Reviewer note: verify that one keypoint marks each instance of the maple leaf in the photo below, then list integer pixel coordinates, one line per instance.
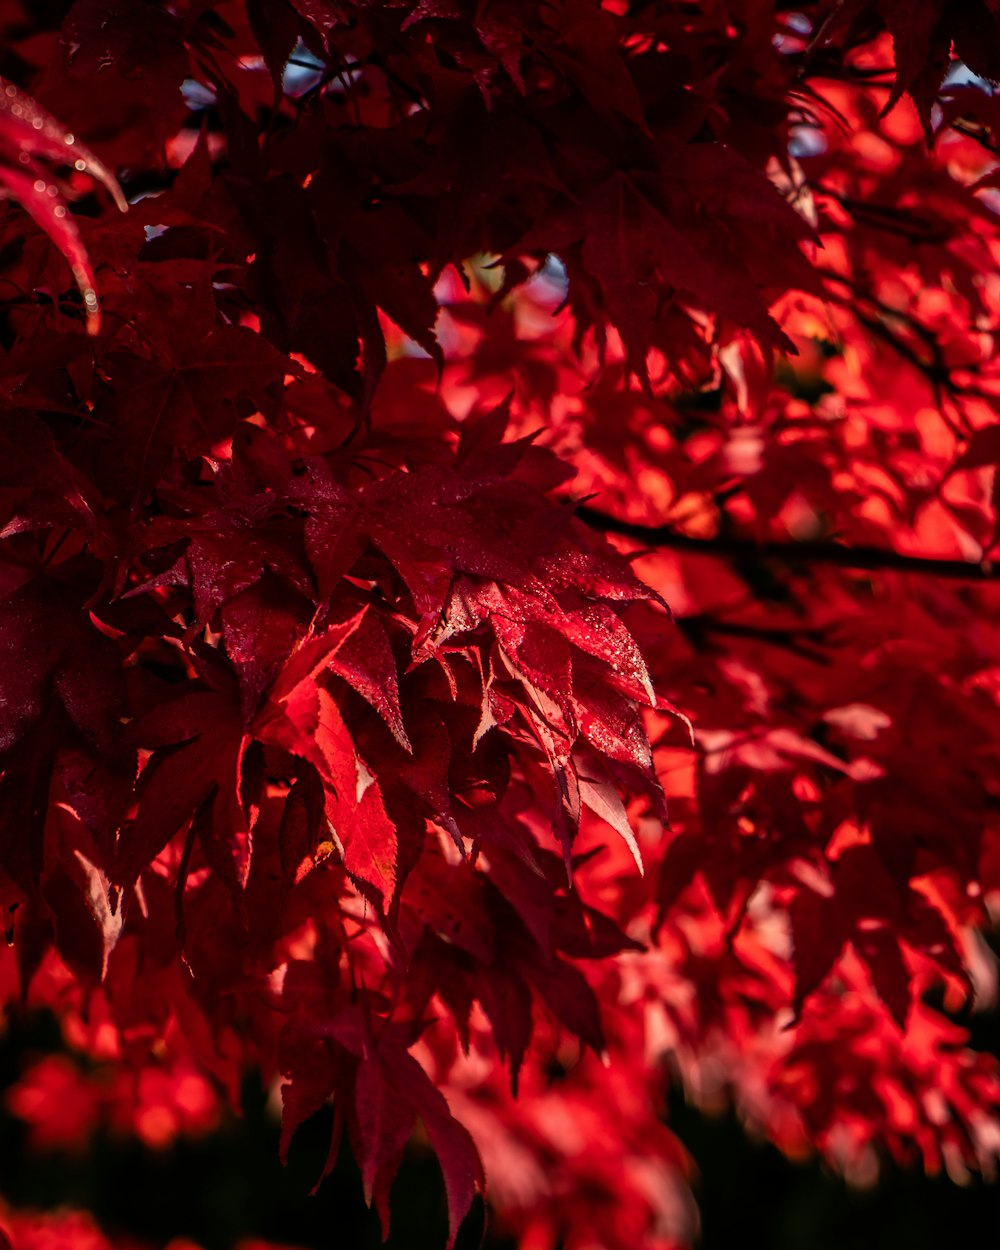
(31, 141)
(191, 388)
(138, 40)
(923, 36)
(865, 908)
(388, 1082)
(199, 743)
(677, 236)
(517, 951)
(44, 626)
(87, 924)
(304, 720)
(390, 1090)
(335, 737)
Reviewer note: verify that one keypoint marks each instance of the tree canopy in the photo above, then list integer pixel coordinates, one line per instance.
(499, 605)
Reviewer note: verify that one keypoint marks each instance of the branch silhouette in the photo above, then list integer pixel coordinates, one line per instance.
(865, 558)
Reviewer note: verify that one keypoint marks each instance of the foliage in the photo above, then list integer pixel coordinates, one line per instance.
(346, 732)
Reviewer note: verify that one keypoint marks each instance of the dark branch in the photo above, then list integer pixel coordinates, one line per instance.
(809, 551)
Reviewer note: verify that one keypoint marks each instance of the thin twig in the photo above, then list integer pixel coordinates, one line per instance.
(864, 558)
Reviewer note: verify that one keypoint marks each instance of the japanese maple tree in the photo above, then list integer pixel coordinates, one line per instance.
(499, 610)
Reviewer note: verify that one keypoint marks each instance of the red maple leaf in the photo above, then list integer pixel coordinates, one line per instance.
(32, 144)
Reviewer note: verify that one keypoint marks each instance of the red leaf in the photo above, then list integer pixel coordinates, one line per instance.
(302, 717)
(456, 1152)
(198, 742)
(29, 137)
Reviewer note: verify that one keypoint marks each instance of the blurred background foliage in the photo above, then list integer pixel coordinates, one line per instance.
(228, 1185)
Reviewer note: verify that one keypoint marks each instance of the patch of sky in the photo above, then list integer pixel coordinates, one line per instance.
(303, 72)
(555, 278)
(961, 76)
(798, 27)
(196, 95)
(806, 141)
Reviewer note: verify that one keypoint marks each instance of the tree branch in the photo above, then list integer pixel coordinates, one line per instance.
(812, 551)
